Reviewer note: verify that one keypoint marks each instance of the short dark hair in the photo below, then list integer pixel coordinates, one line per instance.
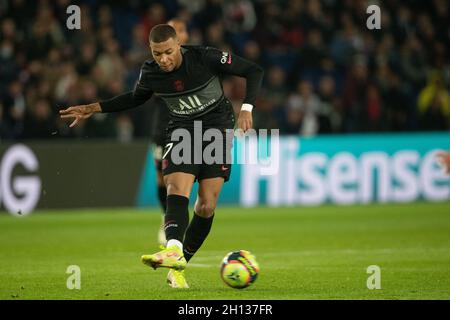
(161, 33)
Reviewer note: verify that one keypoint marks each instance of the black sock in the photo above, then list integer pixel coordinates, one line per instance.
(196, 233)
(177, 217)
(162, 196)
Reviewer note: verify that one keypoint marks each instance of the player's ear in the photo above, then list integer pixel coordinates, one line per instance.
(177, 40)
(151, 52)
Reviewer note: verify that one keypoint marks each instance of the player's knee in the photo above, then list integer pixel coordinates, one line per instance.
(205, 210)
(173, 188)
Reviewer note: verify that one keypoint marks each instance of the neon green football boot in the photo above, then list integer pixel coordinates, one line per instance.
(171, 257)
(176, 279)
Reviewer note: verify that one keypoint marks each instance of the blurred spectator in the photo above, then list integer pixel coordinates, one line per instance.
(330, 114)
(373, 108)
(313, 51)
(124, 128)
(8, 67)
(396, 102)
(239, 16)
(355, 97)
(4, 129)
(304, 105)
(252, 52)
(39, 123)
(193, 6)
(65, 84)
(88, 56)
(215, 35)
(156, 14)
(239, 20)
(267, 116)
(110, 63)
(277, 90)
(211, 11)
(434, 104)
(14, 106)
(139, 50)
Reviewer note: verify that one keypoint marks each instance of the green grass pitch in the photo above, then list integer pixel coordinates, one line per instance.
(304, 253)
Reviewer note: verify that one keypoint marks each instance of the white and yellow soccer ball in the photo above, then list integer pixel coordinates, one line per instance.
(239, 269)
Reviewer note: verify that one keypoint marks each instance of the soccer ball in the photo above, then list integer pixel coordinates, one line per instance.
(239, 269)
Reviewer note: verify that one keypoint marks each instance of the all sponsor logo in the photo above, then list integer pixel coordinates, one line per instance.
(190, 102)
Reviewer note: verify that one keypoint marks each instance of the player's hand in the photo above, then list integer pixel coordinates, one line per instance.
(444, 160)
(245, 120)
(80, 112)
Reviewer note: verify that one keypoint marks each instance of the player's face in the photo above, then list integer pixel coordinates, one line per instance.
(167, 54)
(181, 30)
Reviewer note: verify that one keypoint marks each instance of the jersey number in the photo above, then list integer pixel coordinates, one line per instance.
(169, 147)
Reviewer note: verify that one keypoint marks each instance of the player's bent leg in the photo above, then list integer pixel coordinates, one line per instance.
(179, 187)
(202, 220)
(179, 183)
(208, 194)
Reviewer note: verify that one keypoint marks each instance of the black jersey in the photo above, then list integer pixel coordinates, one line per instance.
(195, 88)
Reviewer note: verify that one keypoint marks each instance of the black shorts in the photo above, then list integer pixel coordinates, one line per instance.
(203, 159)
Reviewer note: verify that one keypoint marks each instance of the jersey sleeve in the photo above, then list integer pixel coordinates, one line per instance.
(142, 91)
(132, 99)
(224, 62)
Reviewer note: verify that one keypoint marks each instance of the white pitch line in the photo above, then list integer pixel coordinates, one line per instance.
(217, 258)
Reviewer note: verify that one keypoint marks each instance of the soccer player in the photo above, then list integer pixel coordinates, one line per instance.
(160, 122)
(188, 79)
(444, 159)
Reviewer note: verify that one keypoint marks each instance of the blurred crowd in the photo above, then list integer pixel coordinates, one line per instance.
(325, 71)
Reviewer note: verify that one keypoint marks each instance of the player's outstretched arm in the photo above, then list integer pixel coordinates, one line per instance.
(128, 100)
(80, 112)
(444, 159)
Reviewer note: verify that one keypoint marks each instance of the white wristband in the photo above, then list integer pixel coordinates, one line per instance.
(247, 107)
